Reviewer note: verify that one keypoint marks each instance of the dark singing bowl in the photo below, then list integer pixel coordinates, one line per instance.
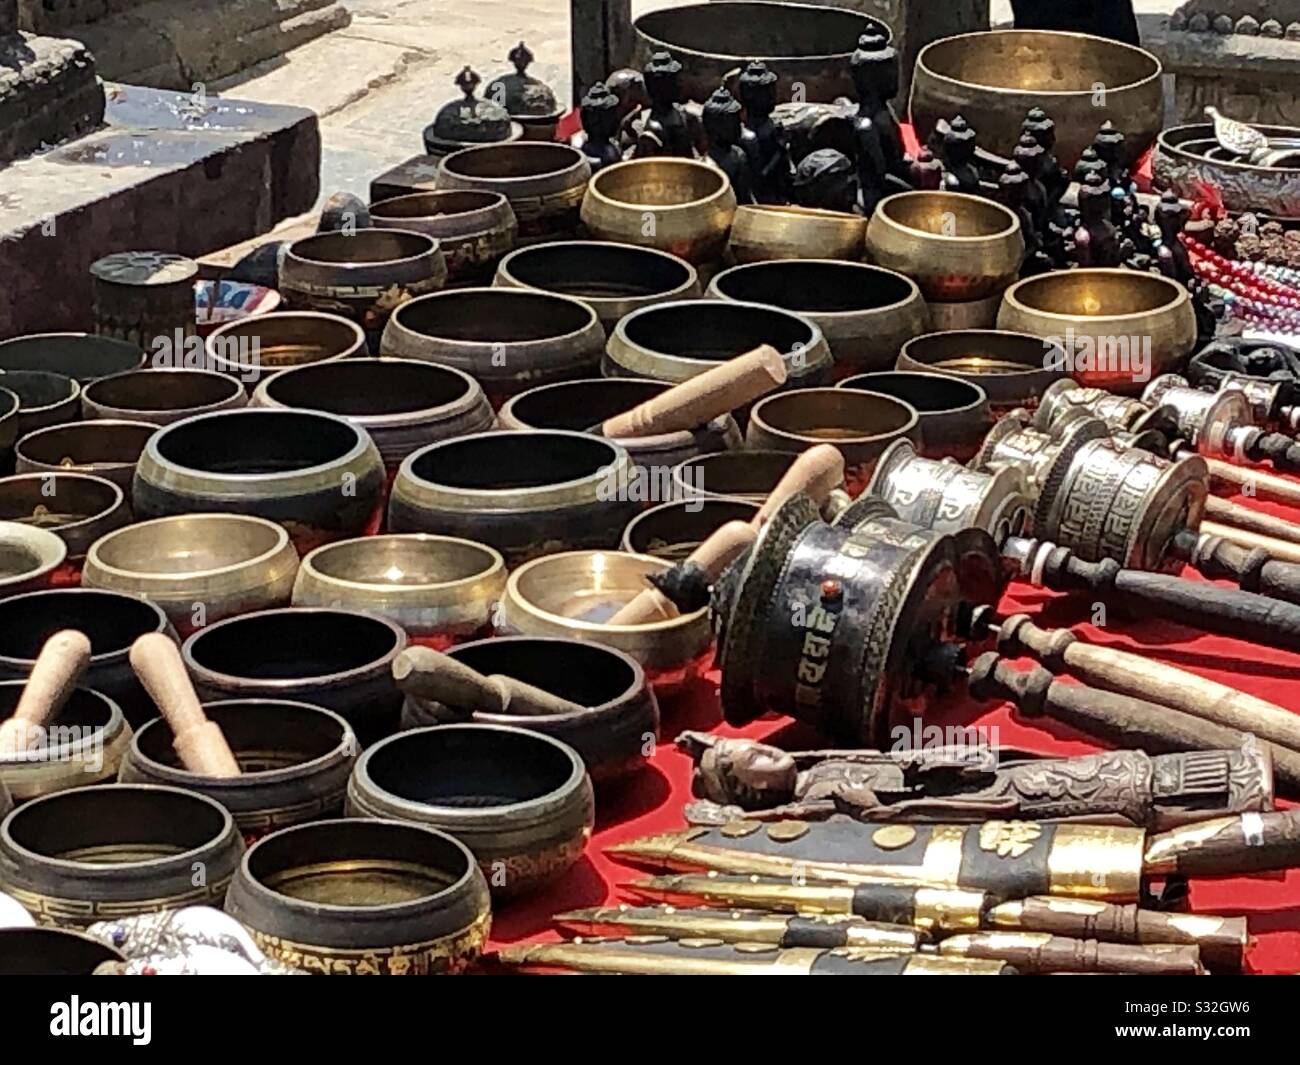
(521, 801)
(337, 659)
(51, 952)
(81, 356)
(543, 182)
(402, 403)
(805, 45)
(526, 493)
(612, 734)
(866, 313)
(111, 621)
(83, 744)
(612, 279)
(77, 507)
(579, 405)
(1013, 369)
(474, 229)
(9, 405)
(250, 348)
(994, 78)
(28, 557)
(296, 760)
(361, 897)
(92, 854)
(318, 475)
(161, 397)
(860, 424)
(106, 448)
(673, 530)
(44, 399)
(749, 475)
(955, 414)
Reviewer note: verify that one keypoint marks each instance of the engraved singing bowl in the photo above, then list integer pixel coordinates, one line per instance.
(750, 475)
(673, 530)
(90, 854)
(271, 342)
(403, 404)
(77, 507)
(474, 229)
(1186, 161)
(199, 568)
(1119, 328)
(440, 589)
(526, 493)
(619, 716)
(81, 356)
(108, 448)
(295, 761)
(1013, 369)
(688, 204)
(578, 405)
(612, 279)
(44, 399)
(956, 247)
(995, 77)
(28, 557)
(508, 340)
(861, 425)
(82, 744)
(761, 232)
(161, 397)
(52, 952)
(807, 46)
(363, 897)
(574, 593)
(866, 313)
(954, 414)
(316, 474)
(543, 182)
(521, 801)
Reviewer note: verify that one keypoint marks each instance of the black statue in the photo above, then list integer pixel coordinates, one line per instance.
(958, 155)
(665, 130)
(826, 179)
(878, 144)
(761, 137)
(1015, 189)
(1096, 240)
(722, 126)
(600, 120)
(1109, 145)
(1056, 181)
(629, 86)
(1090, 163)
(926, 172)
(1171, 257)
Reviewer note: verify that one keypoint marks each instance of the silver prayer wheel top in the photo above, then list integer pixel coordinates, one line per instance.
(1265, 398)
(1212, 421)
(1118, 412)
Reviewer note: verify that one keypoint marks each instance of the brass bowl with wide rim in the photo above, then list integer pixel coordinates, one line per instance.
(28, 557)
(749, 474)
(543, 182)
(44, 399)
(84, 743)
(199, 568)
(108, 448)
(994, 77)
(77, 507)
(1014, 369)
(955, 414)
(473, 228)
(440, 589)
(956, 247)
(161, 397)
(761, 232)
(690, 203)
(267, 343)
(1119, 328)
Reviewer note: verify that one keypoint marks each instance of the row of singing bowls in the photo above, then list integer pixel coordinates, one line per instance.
(317, 474)
(674, 529)
(866, 313)
(1119, 328)
(807, 46)
(439, 589)
(82, 356)
(526, 493)
(761, 232)
(612, 279)
(543, 182)
(506, 339)
(77, 507)
(679, 206)
(403, 404)
(1185, 160)
(956, 247)
(108, 448)
(251, 348)
(1013, 369)
(954, 414)
(85, 743)
(474, 229)
(161, 396)
(580, 405)
(994, 78)
(44, 399)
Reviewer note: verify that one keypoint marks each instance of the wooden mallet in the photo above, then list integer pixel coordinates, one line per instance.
(54, 675)
(815, 473)
(428, 674)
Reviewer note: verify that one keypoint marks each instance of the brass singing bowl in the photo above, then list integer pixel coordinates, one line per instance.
(77, 507)
(574, 593)
(673, 530)
(1119, 328)
(750, 475)
(994, 78)
(1013, 369)
(44, 399)
(52, 952)
(266, 343)
(1184, 163)
(28, 556)
(81, 356)
(160, 397)
(474, 229)
(954, 246)
(761, 232)
(955, 414)
(108, 448)
(689, 204)
(866, 313)
(438, 587)
(199, 568)
(83, 743)
(543, 182)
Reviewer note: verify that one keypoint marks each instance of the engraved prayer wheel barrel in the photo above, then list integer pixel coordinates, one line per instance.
(106, 448)
(83, 744)
(543, 182)
(76, 507)
(295, 760)
(524, 493)
(307, 895)
(673, 530)
(403, 404)
(253, 347)
(90, 854)
(44, 399)
(51, 952)
(578, 405)
(750, 475)
(520, 801)
(29, 558)
(111, 620)
(1013, 369)
(954, 414)
(620, 716)
(316, 474)
(143, 297)
(473, 228)
(161, 397)
(81, 356)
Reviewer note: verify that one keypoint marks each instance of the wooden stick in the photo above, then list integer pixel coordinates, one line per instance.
(815, 473)
(1256, 521)
(1261, 483)
(1282, 550)
(702, 398)
(198, 742)
(54, 675)
(429, 674)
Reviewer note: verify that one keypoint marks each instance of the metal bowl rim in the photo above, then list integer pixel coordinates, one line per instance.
(882, 212)
(1179, 296)
(282, 541)
(914, 290)
(433, 248)
(496, 563)
(794, 9)
(533, 293)
(756, 417)
(724, 185)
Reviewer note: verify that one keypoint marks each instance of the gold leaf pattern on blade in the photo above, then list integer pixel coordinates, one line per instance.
(1010, 839)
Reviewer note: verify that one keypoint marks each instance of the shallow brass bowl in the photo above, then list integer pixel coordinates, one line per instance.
(84, 744)
(250, 347)
(955, 414)
(474, 229)
(161, 397)
(673, 530)
(43, 399)
(543, 182)
(1013, 369)
(954, 246)
(76, 506)
(993, 78)
(1119, 328)
(28, 556)
(749, 474)
(108, 448)
(764, 231)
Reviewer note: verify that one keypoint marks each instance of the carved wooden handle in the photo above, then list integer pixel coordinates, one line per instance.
(1263, 485)
(428, 674)
(815, 473)
(54, 675)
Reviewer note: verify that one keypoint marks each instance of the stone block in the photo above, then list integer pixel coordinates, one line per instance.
(1252, 79)
(48, 92)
